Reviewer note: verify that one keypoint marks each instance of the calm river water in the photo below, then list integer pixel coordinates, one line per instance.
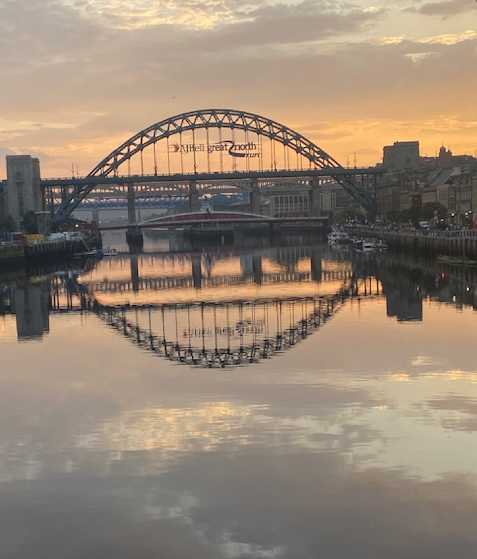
(288, 402)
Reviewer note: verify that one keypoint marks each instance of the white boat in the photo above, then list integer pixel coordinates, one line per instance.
(108, 251)
(368, 245)
(373, 245)
(337, 237)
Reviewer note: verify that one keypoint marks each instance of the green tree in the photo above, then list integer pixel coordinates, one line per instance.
(433, 209)
(415, 215)
(345, 214)
(30, 223)
(6, 221)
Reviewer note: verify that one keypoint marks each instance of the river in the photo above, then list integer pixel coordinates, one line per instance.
(286, 401)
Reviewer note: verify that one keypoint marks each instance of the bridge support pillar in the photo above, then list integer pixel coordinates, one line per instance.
(193, 197)
(131, 199)
(133, 234)
(255, 198)
(95, 217)
(316, 266)
(257, 269)
(134, 271)
(314, 203)
(197, 271)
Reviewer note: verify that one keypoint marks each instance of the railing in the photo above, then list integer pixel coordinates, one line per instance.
(447, 234)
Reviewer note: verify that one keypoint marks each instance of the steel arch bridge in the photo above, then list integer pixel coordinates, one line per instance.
(208, 119)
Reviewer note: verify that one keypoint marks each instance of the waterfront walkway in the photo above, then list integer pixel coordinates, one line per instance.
(455, 242)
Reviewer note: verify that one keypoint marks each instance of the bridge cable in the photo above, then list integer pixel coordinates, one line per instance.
(193, 150)
(229, 332)
(151, 337)
(208, 151)
(155, 158)
(168, 156)
(221, 152)
(215, 329)
(202, 328)
(180, 149)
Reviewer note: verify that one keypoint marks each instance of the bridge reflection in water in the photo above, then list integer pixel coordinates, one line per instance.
(221, 334)
(232, 309)
(214, 310)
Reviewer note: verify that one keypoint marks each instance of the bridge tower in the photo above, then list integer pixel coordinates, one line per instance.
(133, 234)
(23, 192)
(314, 203)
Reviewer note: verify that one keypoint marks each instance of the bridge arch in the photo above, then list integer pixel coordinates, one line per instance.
(219, 119)
(214, 118)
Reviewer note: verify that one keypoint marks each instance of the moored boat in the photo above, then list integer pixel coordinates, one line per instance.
(369, 244)
(108, 251)
(338, 237)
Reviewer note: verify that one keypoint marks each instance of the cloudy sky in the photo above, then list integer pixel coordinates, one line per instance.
(79, 77)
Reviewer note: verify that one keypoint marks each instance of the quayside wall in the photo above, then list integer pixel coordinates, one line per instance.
(450, 243)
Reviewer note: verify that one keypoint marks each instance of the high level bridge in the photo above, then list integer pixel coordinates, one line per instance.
(206, 152)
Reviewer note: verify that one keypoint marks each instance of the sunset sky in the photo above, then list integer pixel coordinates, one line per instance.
(79, 77)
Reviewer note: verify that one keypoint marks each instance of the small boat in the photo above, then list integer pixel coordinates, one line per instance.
(372, 245)
(337, 237)
(368, 245)
(108, 251)
(89, 254)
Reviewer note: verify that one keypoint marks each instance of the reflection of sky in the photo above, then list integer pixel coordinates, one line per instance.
(357, 442)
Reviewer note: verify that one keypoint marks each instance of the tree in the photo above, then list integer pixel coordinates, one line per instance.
(30, 223)
(430, 210)
(7, 223)
(346, 214)
(414, 213)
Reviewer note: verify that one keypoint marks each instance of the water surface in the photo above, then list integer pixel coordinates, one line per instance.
(357, 439)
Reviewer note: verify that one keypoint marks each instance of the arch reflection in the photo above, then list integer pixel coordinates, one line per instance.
(223, 334)
(231, 308)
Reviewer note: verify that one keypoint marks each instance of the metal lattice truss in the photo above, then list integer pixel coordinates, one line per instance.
(320, 311)
(216, 118)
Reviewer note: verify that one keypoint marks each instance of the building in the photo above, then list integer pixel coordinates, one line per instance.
(402, 156)
(23, 192)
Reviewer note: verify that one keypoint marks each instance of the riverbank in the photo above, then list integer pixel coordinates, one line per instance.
(21, 255)
(11, 256)
(450, 243)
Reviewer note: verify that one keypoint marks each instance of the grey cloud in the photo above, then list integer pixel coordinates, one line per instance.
(445, 9)
(464, 416)
(41, 33)
(312, 505)
(286, 24)
(315, 506)
(105, 82)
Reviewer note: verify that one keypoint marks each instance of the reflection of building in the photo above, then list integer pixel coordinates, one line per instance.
(402, 291)
(404, 305)
(30, 305)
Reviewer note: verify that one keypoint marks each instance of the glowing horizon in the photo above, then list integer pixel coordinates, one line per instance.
(81, 77)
